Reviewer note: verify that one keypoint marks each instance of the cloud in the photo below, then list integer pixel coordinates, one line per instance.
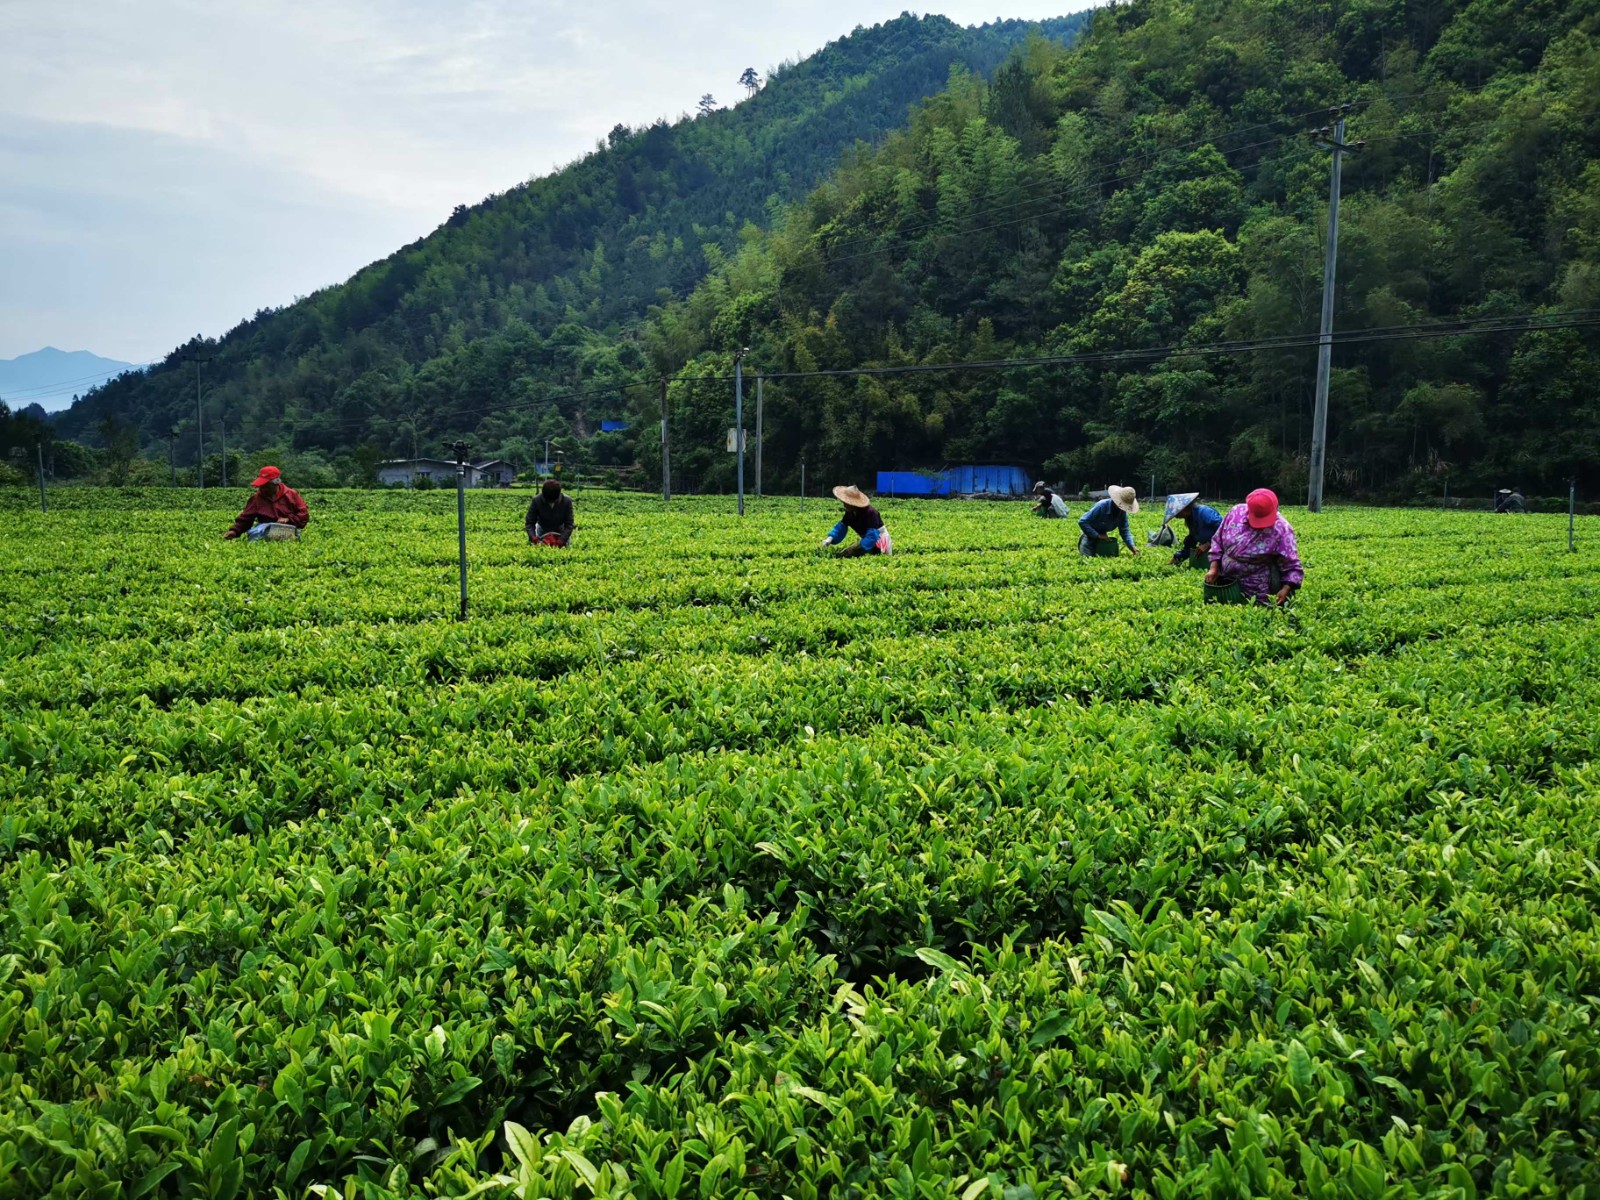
(169, 166)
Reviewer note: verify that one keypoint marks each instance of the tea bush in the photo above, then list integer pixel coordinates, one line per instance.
(699, 864)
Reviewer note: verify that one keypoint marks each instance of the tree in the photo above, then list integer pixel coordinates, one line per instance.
(122, 444)
(750, 81)
(708, 104)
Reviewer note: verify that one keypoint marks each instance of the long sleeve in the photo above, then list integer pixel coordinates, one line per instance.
(1126, 530)
(1288, 547)
(299, 515)
(564, 515)
(1083, 523)
(836, 534)
(246, 519)
(532, 519)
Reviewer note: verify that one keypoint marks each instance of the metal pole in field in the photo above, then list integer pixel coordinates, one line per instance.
(738, 419)
(1572, 507)
(666, 448)
(222, 432)
(172, 457)
(461, 520)
(1333, 139)
(200, 429)
(802, 485)
(44, 505)
(758, 434)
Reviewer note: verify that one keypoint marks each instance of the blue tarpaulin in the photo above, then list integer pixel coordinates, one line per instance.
(956, 481)
(613, 426)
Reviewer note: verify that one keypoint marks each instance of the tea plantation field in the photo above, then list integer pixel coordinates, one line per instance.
(698, 865)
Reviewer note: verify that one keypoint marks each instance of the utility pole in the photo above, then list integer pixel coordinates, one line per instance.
(738, 418)
(222, 432)
(200, 428)
(44, 505)
(460, 449)
(802, 485)
(1572, 507)
(758, 434)
(666, 448)
(1329, 138)
(172, 455)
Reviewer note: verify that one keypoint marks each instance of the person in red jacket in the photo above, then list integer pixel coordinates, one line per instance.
(274, 502)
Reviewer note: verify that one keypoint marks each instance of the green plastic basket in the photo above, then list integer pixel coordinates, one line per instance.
(1223, 593)
(1198, 560)
(1107, 548)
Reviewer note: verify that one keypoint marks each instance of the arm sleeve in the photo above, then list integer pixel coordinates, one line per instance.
(568, 522)
(836, 534)
(1293, 572)
(1127, 531)
(244, 520)
(532, 519)
(1216, 543)
(1083, 522)
(302, 515)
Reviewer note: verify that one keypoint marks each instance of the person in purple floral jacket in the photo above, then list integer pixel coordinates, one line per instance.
(1255, 548)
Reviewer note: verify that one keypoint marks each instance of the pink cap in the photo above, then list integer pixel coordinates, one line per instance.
(1262, 505)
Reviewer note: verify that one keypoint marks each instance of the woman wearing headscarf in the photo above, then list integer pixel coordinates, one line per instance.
(1255, 548)
(1107, 519)
(861, 518)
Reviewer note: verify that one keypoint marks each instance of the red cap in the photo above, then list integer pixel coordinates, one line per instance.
(272, 475)
(1263, 508)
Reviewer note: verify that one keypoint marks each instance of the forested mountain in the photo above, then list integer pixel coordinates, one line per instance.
(1154, 186)
(543, 287)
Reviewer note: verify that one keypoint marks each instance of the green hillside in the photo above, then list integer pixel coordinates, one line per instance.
(508, 300)
(1154, 186)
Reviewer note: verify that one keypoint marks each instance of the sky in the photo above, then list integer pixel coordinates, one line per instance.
(169, 167)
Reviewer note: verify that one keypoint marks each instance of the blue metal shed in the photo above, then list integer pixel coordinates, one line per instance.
(956, 481)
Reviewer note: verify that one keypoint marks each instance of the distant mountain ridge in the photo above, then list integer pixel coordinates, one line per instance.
(52, 378)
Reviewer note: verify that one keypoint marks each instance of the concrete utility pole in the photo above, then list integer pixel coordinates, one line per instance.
(172, 454)
(738, 418)
(460, 449)
(1329, 138)
(222, 432)
(200, 429)
(44, 505)
(758, 434)
(666, 448)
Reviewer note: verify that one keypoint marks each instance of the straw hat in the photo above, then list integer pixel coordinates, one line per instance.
(851, 495)
(1123, 497)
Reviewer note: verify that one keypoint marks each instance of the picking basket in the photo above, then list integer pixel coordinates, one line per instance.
(1222, 593)
(1107, 548)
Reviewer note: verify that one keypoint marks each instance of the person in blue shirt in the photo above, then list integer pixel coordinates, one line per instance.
(1107, 519)
(1203, 522)
(861, 518)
